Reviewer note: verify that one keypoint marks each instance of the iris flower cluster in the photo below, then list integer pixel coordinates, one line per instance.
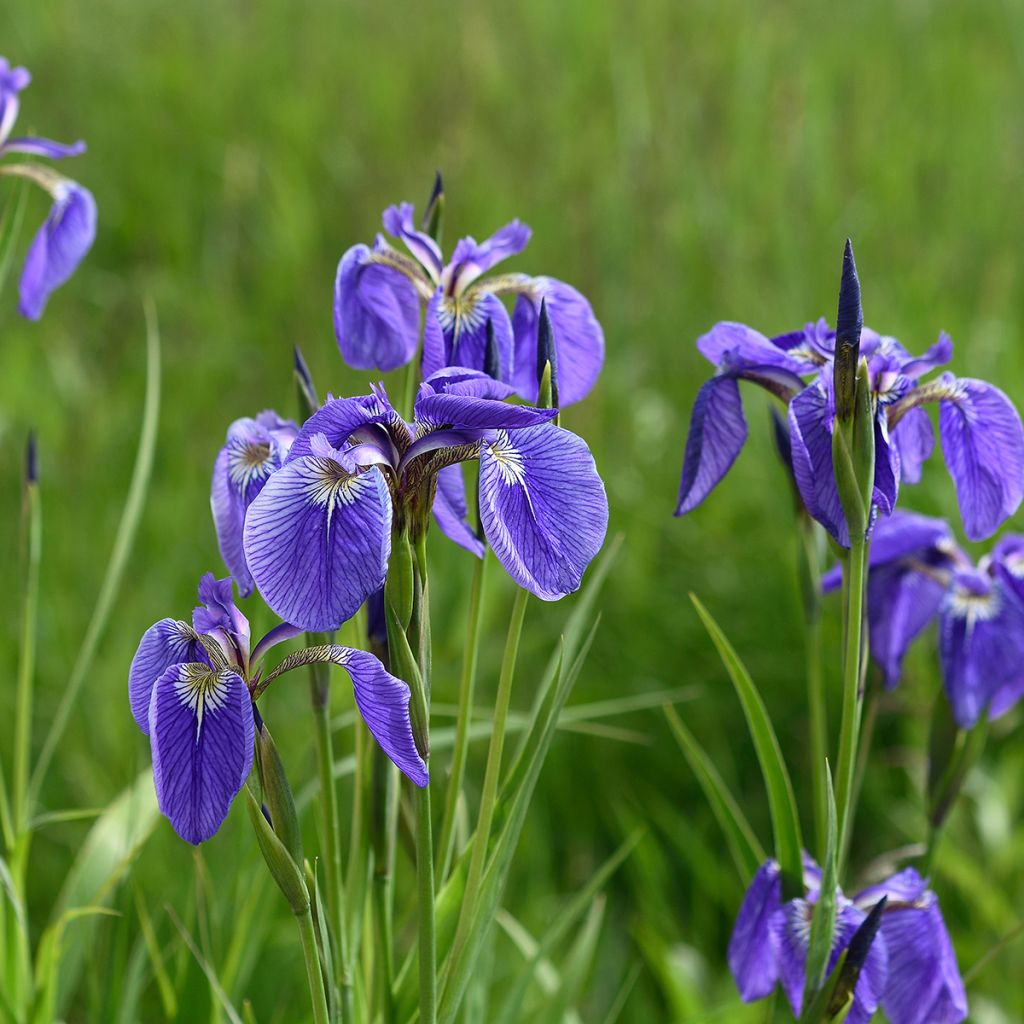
(910, 969)
(980, 429)
(917, 575)
(308, 514)
(68, 232)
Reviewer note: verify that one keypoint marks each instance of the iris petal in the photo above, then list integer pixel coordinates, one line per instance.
(452, 512)
(399, 221)
(166, 643)
(746, 345)
(915, 440)
(751, 957)
(462, 339)
(317, 540)
(201, 730)
(338, 419)
(471, 258)
(543, 507)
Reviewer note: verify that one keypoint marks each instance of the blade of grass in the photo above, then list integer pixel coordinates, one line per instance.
(10, 229)
(578, 964)
(205, 967)
(781, 800)
(123, 541)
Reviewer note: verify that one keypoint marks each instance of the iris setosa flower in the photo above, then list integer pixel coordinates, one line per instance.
(910, 969)
(317, 537)
(69, 230)
(379, 292)
(192, 690)
(981, 433)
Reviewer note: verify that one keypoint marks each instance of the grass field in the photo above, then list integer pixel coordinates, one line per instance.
(680, 163)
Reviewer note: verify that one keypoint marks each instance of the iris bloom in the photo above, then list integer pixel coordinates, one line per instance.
(193, 689)
(68, 232)
(254, 449)
(910, 970)
(317, 538)
(981, 432)
(379, 291)
(918, 574)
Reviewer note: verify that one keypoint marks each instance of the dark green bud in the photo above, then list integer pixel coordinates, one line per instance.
(286, 873)
(277, 793)
(849, 323)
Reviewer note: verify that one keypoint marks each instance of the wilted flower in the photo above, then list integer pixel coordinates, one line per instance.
(981, 432)
(379, 291)
(68, 232)
(253, 450)
(910, 969)
(192, 690)
(917, 574)
(318, 536)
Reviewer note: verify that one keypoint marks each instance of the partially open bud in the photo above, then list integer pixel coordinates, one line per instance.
(547, 361)
(433, 216)
(277, 794)
(284, 870)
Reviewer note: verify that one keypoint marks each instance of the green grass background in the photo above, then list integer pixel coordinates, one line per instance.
(681, 163)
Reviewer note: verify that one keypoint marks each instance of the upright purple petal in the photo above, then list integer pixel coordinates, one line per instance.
(399, 221)
(938, 355)
(745, 344)
(579, 340)
(201, 731)
(718, 431)
(317, 540)
(60, 245)
(166, 643)
(751, 956)
(436, 347)
(914, 439)
(32, 146)
(472, 258)
(218, 612)
(452, 512)
(12, 82)
(983, 444)
(383, 702)
(376, 312)
(543, 507)
(338, 419)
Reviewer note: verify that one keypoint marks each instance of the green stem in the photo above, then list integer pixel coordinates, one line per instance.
(317, 995)
(492, 773)
(425, 910)
(854, 569)
(467, 685)
(383, 826)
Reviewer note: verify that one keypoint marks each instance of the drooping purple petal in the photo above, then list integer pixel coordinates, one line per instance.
(914, 438)
(751, 956)
(746, 345)
(376, 312)
(456, 408)
(60, 245)
(338, 419)
(472, 258)
(887, 470)
(166, 643)
(543, 507)
(32, 146)
(579, 340)
(201, 731)
(399, 221)
(462, 340)
(383, 702)
(452, 512)
(317, 540)
(718, 430)
(461, 380)
(983, 444)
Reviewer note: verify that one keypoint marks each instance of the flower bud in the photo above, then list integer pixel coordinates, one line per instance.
(849, 322)
(400, 587)
(286, 873)
(547, 361)
(492, 357)
(433, 216)
(856, 957)
(308, 401)
(277, 793)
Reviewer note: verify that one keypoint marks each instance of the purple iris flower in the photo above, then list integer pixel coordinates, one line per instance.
(68, 232)
(910, 970)
(379, 291)
(981, 432)
(917, 574)
(192, 690)
(254, 449)
(317, 538)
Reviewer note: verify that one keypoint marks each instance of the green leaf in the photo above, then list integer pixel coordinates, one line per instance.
(781, 801)
(823, 923)
(747, 851)
(578, 964)
(10, 229)
(168, 997)
(207, 968)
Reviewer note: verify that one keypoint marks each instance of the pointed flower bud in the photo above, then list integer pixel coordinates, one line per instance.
(547, 360)
(856, 958)
(283, 868)
(849, 322)
(277, 793)
(31, 459)
(492, 357)
(308, 400)
(433, 216)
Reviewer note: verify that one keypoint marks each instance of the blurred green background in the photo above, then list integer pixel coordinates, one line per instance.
(680, 163)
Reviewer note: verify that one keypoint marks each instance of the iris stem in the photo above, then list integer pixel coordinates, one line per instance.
(467, 684)
(425, 910)
(492, 773)
(384, 825)
(854, 570)
(317, 994)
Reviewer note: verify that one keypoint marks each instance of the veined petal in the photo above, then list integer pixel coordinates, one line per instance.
(44, 147)
(218, 611)
(983, 444)
(579, 340)
(201, 731)
(751, 956)
(914, 438)
(472, 258)
(338, 419)
(543, 507)
(461, 380)
(399, 221)
(376, 312)
(887, 470)
(747, 346)
(317, 540)
(436, 347)
(455, 408)
(60, 245)
(166, 643)
(938, 355)
(452, 512)
(718, 430)
(463, 320)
